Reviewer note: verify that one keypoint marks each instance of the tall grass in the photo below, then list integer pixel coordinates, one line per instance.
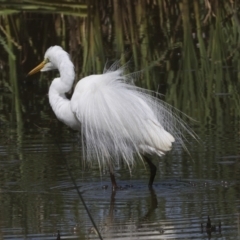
(190, 44)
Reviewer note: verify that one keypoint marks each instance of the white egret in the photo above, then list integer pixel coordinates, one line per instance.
(117, 119)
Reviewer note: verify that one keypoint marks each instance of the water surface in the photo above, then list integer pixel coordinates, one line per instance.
(38, 197)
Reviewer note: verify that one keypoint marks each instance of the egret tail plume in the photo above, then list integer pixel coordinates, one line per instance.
(120, 120)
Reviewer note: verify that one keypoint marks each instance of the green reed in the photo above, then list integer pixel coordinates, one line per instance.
(190, 43)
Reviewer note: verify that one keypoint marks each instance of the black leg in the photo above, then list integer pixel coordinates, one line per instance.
(153, 170)
(113, 180)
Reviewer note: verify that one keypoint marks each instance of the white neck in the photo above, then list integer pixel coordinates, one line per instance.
(59, 86)
(66, 70)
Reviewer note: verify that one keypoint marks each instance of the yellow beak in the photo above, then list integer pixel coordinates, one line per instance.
(37, 68)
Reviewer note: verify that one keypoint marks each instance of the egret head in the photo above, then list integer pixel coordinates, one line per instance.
(51, 57)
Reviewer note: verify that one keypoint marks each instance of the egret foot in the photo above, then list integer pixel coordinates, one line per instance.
(153, 170)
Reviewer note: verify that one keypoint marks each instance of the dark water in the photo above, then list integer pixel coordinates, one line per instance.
(38, 197)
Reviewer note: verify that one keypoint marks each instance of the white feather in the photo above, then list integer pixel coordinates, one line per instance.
(117, 119)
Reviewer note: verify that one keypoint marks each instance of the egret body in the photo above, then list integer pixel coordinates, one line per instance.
(117, 120)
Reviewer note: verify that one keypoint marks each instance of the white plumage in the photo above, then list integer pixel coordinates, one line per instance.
(117, 120)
